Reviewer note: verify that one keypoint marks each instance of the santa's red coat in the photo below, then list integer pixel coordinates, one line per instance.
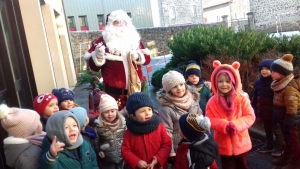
(113, 72)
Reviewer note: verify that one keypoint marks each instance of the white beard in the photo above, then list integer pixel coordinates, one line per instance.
(121, 40)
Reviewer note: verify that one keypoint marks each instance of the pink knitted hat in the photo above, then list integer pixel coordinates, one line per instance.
(19, 123)
(228, 72)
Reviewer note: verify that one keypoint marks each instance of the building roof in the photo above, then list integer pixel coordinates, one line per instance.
(211, 3)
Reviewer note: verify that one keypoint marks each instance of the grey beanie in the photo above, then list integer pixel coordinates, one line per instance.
(172, 79)
(56, 127)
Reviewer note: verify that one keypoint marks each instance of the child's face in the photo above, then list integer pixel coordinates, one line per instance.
(71, 129)
(179, 90)
(194, 79)
(224, 84)
(67, 104)
(110, 115)
(276, 76)
(51, 108)
(265, 72)
(143, 114)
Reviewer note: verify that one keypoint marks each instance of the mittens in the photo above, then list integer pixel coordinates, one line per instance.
(230, 128)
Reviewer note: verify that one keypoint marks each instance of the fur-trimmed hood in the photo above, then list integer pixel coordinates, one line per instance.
(164, 101)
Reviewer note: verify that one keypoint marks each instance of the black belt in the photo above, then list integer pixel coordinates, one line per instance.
(113, 90)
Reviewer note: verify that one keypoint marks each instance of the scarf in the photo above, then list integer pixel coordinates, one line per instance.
(146, 127)
(113, 125)
(197, 86)
(228, 107)
(278, 85)
(184, 102)
(36, 139)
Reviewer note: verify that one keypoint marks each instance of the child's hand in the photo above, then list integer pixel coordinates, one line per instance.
(101, 154)
(142, 164)
(230, 128)
(153, 163)
(56, 147)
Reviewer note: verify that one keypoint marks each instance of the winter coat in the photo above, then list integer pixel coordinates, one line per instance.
(21, 154)
(136, 147)
(262, 101)
(287, 101)
(109, 141)
(44, 122)
(242, 116)
(66, 160)
(170, 114)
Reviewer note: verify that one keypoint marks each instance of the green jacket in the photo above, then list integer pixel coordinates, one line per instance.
(204, 97)
(67, 160)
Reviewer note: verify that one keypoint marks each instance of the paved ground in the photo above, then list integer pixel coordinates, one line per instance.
(255, 159)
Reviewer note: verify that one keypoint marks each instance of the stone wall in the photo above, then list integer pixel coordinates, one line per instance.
(155, 39)
(186, 11)
(265, 15)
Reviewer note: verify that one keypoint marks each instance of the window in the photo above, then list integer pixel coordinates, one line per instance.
(129, 14)
(82, 21)
(100, 20)
(194, 11)
(218, 18)
(172, 12)
(71, 22)
(244, 14)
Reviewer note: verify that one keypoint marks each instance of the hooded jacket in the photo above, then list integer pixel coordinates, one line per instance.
(170, 114)
(21, 154)
(242, 115)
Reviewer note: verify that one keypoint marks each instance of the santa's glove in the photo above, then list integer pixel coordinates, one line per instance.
(100, 51)
(134, 55)
(171, 160)
(288, 123)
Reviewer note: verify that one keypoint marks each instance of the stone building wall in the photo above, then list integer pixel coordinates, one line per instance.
(266, 10)
(155, 39)
(186, 11)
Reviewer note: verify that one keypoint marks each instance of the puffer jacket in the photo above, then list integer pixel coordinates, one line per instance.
(109, 141)
(242, 115)
(287, 100)
(170, 114)
(21, 154)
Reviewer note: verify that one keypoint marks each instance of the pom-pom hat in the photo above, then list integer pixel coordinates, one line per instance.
(193, 69)
(41, 101)
(283, 65)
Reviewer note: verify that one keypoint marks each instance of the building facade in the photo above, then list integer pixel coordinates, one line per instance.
(91, 15)
(234, 9)
(35, 53)
(182, 12)
(275, 15)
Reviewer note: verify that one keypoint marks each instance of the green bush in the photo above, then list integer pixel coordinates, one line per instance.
(201, 41)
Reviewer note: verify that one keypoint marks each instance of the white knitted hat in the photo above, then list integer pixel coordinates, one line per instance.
(17, 122)
(283, 65)
(107, 103)
(172, 79)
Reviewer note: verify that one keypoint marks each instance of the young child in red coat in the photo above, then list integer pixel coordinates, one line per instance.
(146, 143)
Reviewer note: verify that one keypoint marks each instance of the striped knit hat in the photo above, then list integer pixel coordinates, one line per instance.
(192, 69)
(283, 65)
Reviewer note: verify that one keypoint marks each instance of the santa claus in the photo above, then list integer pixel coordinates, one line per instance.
(109, 54)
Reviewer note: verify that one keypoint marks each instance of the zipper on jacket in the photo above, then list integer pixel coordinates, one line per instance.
(145, 147)
(74, 158)
(116, 148)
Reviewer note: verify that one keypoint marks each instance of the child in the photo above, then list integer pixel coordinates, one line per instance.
(65, 98)
(93, 114)
(110, 127)
(262, 104)
(87, 132)
(286, 111)
(23, 148)
(46, 105)
(231, 115)
(146, 143)
(197, 149)
(193, 74)
(63, 146)
(176, 99)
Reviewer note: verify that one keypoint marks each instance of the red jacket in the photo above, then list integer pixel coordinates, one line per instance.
(144, 147)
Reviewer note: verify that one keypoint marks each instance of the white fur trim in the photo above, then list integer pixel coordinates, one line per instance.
(95, 59)
(141, 58)
(113, 57)
(4, 110)
(146, 51)
(14, 140)
(87, 55)
(104, 146)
